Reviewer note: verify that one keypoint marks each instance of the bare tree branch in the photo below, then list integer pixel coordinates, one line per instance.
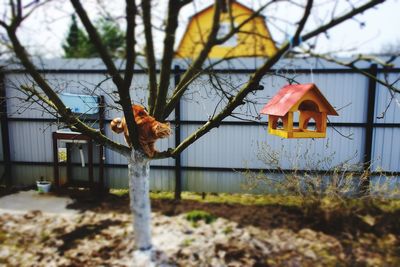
(236, 29)
(55, 102)
(34, 92)
(95, 38)
(12, 7)
(123, 91)
(184, 2)
(131, 11)
(254, 80)
(194, 71)
(352, 66)
(198, 62)
(303, 21)
(342, 18)
(19, 8)
(150, 57)
(166, 62)
(162, 109)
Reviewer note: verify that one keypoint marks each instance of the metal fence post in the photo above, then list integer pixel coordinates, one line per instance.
(178, 166)
(103, 186)
(369, 129)
(5, 132)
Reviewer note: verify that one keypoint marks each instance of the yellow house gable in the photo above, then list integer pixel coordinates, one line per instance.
(254, 38)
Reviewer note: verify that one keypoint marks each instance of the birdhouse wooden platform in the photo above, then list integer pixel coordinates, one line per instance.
(308, 101)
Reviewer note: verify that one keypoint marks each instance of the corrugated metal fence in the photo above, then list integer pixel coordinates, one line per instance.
(213, 163)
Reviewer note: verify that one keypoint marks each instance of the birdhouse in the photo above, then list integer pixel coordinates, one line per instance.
(301, 101)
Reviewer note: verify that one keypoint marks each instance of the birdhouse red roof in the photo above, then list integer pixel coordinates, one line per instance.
(290, 95)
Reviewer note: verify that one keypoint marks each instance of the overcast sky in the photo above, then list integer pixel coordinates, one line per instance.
(45, 31)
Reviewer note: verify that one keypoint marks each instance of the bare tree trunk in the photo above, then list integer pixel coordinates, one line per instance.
(139, 169)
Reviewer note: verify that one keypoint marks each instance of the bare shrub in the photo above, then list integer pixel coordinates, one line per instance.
(317, 179)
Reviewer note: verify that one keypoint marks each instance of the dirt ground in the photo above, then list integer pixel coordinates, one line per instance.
(242, 235)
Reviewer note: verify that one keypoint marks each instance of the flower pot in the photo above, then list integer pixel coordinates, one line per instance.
(43, 186)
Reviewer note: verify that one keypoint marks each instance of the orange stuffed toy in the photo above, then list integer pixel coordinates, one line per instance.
(149, 129)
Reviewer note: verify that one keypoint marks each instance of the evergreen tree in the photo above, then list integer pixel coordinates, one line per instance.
(113, 37)
(78, 45)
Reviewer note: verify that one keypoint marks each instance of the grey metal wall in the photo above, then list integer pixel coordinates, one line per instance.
(231, 146)
(210, 163)
(31, 140)
(386, 143)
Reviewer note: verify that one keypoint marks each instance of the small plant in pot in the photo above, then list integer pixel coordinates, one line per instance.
(43, 185)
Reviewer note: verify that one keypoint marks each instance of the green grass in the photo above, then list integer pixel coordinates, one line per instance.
(119, 192)
(195, 216)
(244, 199)
(187, 242)
(227, 230)
(386, 205)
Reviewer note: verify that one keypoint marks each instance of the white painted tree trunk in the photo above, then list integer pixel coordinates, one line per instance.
(139, 169)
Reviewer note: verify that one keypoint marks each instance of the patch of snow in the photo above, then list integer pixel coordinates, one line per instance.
(25, 201)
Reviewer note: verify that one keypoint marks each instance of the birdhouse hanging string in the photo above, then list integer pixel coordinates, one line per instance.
(303, 98)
